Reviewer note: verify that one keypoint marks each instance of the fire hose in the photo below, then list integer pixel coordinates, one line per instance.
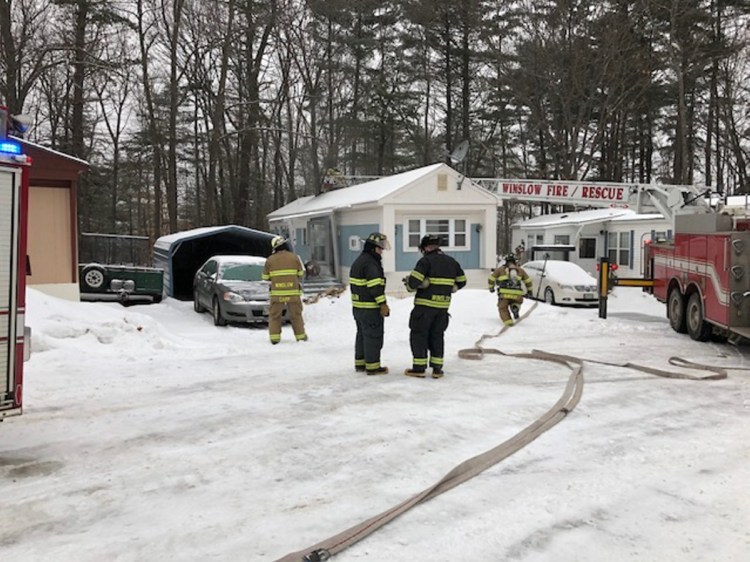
(470, 468)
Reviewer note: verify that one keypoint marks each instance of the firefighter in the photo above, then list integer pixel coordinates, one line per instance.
(435, 278)
(284, 270)
(512, 284)
(369, 305)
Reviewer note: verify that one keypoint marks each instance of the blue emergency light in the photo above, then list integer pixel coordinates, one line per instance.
(10, 147)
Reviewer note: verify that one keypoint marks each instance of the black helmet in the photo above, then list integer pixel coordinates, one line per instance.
(510, 258)
(379, 240)
(429, 240)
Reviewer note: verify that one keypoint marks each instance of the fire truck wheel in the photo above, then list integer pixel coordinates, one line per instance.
(218, 318)
(697, 327)
(93, 277)
(676, 310)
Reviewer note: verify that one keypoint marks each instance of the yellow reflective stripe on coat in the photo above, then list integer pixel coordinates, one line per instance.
(358, 282)
(434, 303)
(417, 275)
(365, 304)
(442, 281)
(277, 293)
(461, 279)
(282, 272)
(511, 292)
(375, 282)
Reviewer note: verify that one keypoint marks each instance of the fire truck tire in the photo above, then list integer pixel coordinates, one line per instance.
(216, 310)
(676, 310)
(93, 276)
(697, 327)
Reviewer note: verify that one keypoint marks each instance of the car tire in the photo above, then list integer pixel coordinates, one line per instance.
(676, 311)
(697, 327)
(197, 306)
(549, 295)
(93, 277)
(216, 312)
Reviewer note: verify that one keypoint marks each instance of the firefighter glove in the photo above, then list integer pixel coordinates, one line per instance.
(492, 289)
(385, 310)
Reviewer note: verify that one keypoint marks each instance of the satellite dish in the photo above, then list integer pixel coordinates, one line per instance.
(460, 153)
(21, 123)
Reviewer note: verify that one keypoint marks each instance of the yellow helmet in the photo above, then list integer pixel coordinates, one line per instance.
(277, 242)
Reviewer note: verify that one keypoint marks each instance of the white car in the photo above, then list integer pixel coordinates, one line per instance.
(561, 282)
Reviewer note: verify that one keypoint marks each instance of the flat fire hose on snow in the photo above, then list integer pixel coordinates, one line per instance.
(470, 468)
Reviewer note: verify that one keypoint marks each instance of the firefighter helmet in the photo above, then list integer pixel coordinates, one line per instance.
(429, 240)
(510, 258)
(277, 242)
(378, 239)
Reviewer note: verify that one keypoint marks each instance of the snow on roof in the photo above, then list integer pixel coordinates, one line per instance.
(738, 201)
(51, 151)
(168, 240)
(369, 192)
(637, 217)
(575, 217)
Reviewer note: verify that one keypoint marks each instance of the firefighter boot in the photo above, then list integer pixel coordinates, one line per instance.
(515, 310)
(437, 373)
(378, 371)
(419, 373)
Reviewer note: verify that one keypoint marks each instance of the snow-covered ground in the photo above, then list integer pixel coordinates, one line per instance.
(150, 434)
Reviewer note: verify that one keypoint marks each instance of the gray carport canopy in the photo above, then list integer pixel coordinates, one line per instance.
(182, 253)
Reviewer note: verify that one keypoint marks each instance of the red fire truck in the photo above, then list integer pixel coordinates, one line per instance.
(704, 275)
(14, 186)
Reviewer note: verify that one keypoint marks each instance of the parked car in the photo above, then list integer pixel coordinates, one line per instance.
(561, 282)
(232, 289)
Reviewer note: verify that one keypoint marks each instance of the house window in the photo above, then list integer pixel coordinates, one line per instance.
(562, 239)
(618, 248)
(587, 248)
(453, 233)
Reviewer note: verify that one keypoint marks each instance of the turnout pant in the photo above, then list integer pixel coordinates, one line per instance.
(276, 310)
(369, 341)
(427, 327)
(503, 306)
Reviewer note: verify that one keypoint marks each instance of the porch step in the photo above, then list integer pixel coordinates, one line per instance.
(320, 284)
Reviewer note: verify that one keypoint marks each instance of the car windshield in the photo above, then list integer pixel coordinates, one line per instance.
(241, 272)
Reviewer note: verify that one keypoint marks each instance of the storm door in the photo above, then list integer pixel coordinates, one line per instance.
(321, 245)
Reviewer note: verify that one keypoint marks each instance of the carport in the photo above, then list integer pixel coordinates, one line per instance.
(182, 253)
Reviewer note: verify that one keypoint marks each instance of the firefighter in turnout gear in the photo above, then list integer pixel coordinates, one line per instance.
(369, 306)
(435, 278)
(512, 284)
(284, 270)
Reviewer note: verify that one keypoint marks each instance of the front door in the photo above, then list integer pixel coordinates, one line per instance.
(321, 246)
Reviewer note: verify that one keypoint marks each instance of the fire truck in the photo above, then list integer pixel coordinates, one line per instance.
(14, 186)
(702, 273)
(704, 276)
